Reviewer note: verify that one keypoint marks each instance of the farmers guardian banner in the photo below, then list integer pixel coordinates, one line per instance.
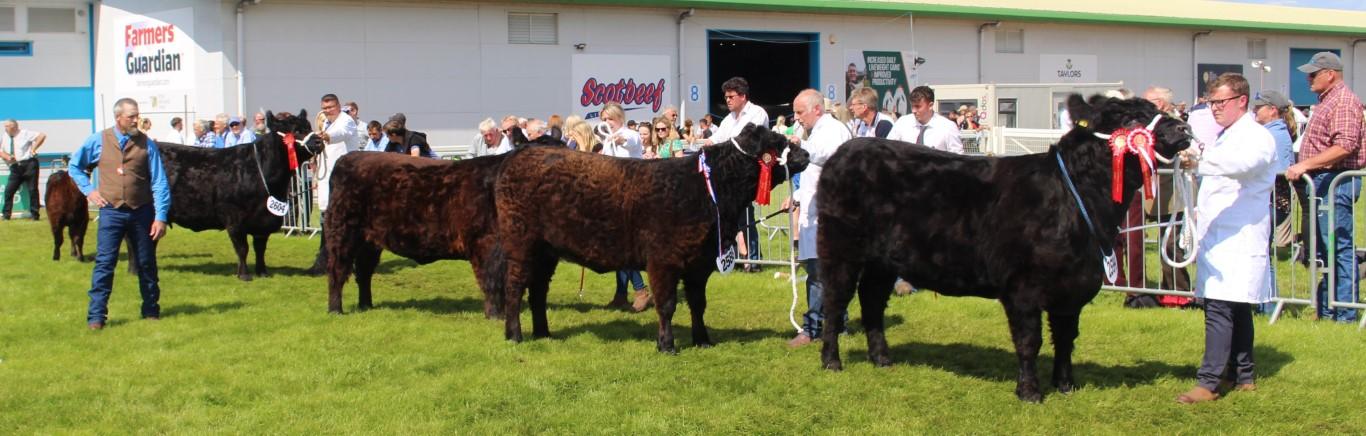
(640, 83)
(156, 54)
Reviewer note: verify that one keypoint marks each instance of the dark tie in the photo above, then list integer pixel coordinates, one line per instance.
(11, 148)
(920, 139)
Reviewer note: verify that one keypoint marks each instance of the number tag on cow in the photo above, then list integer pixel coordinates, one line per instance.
(1111, 266)
(726, 261)
(276, 207)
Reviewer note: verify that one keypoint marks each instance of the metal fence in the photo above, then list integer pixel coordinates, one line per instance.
(300, 219)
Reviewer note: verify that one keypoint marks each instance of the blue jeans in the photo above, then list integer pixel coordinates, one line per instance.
(814, 320)
(115, 223)
(1346, 266)
(632, 276)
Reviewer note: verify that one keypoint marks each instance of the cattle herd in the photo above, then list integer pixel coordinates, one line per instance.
(1002, 228)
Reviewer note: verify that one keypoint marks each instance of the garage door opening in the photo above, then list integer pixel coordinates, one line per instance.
(777, 65)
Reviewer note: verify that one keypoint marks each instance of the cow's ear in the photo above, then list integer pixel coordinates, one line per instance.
(1082, 113)
(270, 122)
(303, 113)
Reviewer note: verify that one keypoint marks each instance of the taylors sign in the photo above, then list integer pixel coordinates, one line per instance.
(1067, 68)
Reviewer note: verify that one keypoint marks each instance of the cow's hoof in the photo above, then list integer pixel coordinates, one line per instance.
(263, 274)
(881, 361)
(1029, 395)
(703, 344)
(517, 337)
(244, 277)
(668, 349)
(1064, 387)
(335, 312)
(834, 365)
(540, 335)
(364, 307)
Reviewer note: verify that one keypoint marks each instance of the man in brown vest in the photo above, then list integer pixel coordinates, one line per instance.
(134, 199)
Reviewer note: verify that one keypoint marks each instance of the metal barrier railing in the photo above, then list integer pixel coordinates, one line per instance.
(1332, 248)
(300, 217)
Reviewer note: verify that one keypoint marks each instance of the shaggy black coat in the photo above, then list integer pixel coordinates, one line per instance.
(609, 214)
(222, 188)
(1001, 228)
(66, 208)
(420, 208)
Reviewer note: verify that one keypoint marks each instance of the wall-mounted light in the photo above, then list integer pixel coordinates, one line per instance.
(580, 46)
(919, 61)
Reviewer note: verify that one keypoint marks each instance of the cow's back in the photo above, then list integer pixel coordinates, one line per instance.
(947, 222)
(217, 188)
(420, 208)
(631, 205)
(64, 202)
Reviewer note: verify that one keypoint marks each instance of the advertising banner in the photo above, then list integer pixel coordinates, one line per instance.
(1068, 68)
(156, 59)
(891, 73)
(639, 83)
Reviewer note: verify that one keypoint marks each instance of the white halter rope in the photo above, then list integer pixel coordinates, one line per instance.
(1183, 182)
(322, 169)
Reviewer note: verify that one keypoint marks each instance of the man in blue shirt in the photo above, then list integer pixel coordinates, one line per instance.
(238, 134)
(134, 199)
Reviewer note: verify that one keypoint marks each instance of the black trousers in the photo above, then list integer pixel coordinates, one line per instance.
(23, 173)
(1228, 344)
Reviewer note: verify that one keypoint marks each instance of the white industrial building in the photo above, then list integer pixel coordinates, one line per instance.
(449, 64)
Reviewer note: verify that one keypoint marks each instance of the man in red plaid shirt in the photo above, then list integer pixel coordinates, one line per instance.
(1332, 144)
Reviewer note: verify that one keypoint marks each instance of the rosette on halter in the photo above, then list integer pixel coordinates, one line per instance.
(1137, 141)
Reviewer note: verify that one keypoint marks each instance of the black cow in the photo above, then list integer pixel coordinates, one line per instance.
(226, 188)
(1002, 228)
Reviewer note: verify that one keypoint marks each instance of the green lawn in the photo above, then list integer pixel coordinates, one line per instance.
(265, 357)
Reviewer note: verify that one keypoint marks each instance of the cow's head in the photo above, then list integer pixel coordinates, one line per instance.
(755, 147)
(1135, 134)
(284, 126)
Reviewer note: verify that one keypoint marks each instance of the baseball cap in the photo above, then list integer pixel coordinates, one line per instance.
(1324, 60)
(1272, 98)
(400, 117)
(235, 120)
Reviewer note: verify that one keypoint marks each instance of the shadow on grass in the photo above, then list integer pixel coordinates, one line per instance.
(1001, 364)
(438, 305)
(644, 327)
(183, 255)
(230, 269)
(195, 309)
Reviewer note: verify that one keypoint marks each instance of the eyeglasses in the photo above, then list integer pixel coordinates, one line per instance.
(661, 129)
(730, 97)
(1222, 101)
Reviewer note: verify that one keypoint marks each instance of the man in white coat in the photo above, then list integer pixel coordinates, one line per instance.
(1233, 224)
(342, 134)
(827, 134)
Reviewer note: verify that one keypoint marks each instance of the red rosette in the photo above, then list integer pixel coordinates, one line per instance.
(765, 178)
(289, 145)
(1141, 143)
(1119, 144)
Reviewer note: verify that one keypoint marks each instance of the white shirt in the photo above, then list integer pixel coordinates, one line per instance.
(21, 143)
(1233, 220)
(826, 137)
(504, 146)
(177, 137)
(732, 124)
(940, 133)
(346, 137)
(632, 148)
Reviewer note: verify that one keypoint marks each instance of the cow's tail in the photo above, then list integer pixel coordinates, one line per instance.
(491, 277)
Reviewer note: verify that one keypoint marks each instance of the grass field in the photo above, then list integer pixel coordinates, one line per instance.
(265, 357)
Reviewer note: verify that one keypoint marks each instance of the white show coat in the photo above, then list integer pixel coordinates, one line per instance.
(1233, 219)
(826, 137)
(631, 148)
(733, 123)
(346, 137)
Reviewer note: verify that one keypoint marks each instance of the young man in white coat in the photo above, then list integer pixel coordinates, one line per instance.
(827, 134)
(342, 134)
(1233, 223)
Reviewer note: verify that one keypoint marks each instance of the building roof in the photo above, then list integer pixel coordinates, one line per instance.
(1193, 14)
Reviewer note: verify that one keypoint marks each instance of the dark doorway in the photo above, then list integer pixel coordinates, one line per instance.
(777, 65)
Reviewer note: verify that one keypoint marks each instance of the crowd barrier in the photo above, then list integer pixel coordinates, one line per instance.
(300, 219)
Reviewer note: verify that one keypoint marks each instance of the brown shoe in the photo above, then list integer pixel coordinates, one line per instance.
(96, 326)
(1197, 395)
(1227, 386)
(643, 299)
(801, 340)
(903, 288)
(618, 302)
